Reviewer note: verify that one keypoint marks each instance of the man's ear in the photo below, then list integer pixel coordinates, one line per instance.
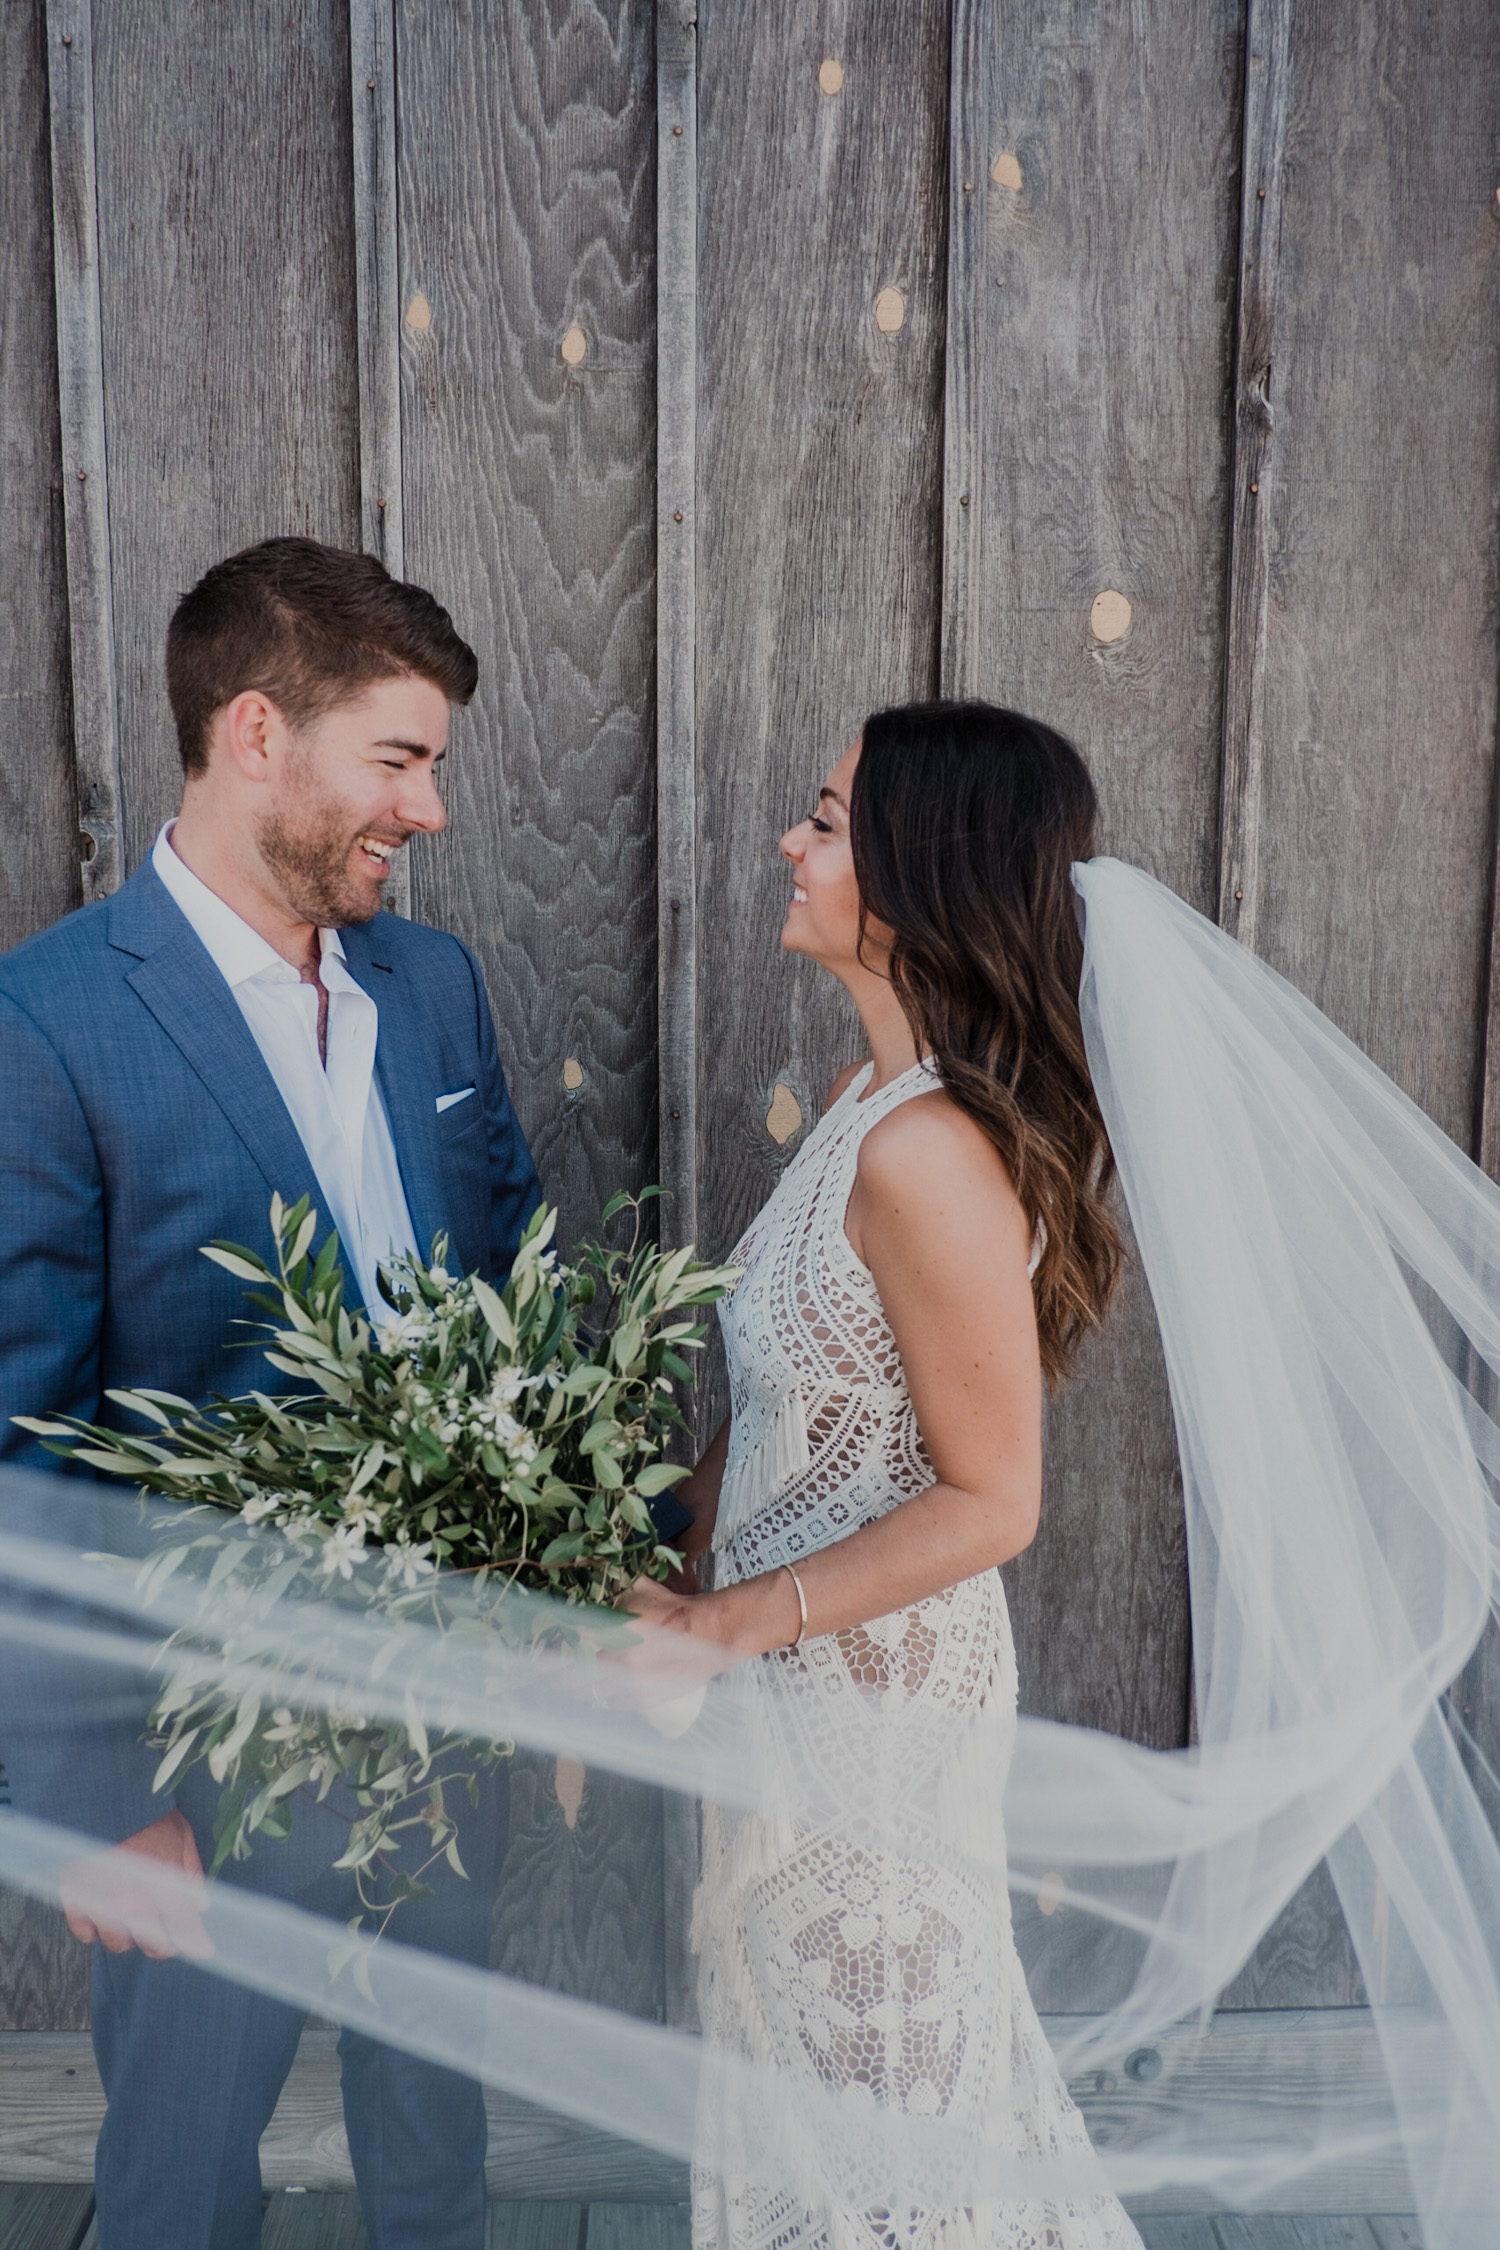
(249, 730)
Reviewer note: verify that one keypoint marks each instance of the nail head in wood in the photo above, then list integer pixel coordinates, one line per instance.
(1260, 195)
(831, 75)
(1006, 171)
(67, 38)
(575, 346)
(83, 476)
(963, 499)
(370, 83)
(676, 518)
(1255, 488)
(890, 311)
(1109, 616)
(677, 132)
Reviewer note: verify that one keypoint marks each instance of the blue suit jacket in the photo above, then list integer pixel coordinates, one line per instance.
(138, 1121)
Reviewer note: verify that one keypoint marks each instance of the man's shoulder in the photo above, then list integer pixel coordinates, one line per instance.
(391, 941)
(55, 957)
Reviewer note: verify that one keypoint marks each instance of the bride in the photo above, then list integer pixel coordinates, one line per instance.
(939, 1245)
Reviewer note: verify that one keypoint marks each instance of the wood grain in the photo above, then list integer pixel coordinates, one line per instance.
(313, 2220)
(227, 288)
(51, 2106)
(536, 2226)
(677, 614)
(1381, 648)
(638, 2226)
(39, 850)
(1256, 2073)
(579, 1909)
(1101, 326)
(819, 470)
(1377, 675)
(45, 2218)
(44, 1973)
(377, 285)
(527, 207)
(80, 394)
(1262, 169)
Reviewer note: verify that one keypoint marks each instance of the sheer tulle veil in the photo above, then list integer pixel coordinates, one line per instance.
(1325, 1269)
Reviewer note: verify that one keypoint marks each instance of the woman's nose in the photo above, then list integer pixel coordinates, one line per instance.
(793, 843)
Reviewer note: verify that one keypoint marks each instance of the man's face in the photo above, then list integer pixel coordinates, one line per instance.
(346, 793)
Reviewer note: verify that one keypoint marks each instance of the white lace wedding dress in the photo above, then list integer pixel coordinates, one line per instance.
(826, 1952)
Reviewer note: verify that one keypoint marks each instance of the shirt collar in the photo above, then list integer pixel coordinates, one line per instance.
(237, 951)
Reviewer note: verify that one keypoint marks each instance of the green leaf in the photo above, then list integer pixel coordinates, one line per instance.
(496, 1318)
(660, 1476)
(237, 1262)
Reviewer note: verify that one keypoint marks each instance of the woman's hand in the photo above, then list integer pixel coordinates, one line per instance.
(719, 1629)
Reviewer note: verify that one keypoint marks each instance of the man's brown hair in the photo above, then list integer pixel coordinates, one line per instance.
(309, 626)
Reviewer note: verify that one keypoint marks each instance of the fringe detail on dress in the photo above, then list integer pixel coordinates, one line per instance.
(777, 1455)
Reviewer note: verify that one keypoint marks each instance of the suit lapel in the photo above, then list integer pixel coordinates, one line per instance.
(178, 982)
(406, 1068)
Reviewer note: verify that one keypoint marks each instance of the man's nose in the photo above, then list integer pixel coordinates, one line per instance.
(418, 804)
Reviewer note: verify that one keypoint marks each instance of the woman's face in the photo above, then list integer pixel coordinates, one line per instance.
(823, 918)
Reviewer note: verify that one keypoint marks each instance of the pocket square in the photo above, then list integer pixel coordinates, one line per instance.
(451, 1101)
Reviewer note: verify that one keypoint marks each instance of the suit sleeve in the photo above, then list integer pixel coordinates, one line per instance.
(69, 1731)
(515, 1190)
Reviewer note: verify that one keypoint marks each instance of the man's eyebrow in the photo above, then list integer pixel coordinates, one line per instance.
(417, 749)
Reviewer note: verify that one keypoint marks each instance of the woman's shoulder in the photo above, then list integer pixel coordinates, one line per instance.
(928, 1138)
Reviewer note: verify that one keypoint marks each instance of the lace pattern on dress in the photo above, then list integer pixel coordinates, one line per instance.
(835, 1955)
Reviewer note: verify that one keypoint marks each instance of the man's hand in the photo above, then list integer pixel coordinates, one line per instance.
(106, 1901)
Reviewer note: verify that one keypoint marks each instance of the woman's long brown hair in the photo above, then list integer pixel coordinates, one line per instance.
(965, 822)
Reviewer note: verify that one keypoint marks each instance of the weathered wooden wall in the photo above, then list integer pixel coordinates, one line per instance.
(1176, 422)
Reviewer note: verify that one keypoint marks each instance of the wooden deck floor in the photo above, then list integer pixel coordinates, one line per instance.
(62, 2218)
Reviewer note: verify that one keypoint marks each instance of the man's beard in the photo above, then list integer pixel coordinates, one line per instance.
(310, 859)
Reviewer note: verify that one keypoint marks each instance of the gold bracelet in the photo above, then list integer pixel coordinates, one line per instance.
(801, 1604)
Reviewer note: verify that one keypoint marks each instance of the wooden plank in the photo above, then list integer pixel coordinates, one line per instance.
(377, 281)
(819, 502)
(1397, 2233)
(530, 509)
(962, 668)
(85, 480)
(639, 2226)
(681, 1843)
(39, 844)
(1256, 2073)
(1177, 2234)
(45, 2218)
(1099, 314)
(1380, 662)
(228, 303)
(1242, 775)
(1372, 728)
(312, 2219)
(51, 2107)
(676, 613)
(589, 1845)
(536, 2226)
(44, 1973)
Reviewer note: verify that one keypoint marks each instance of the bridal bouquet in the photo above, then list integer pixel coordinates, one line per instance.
(514, 1436)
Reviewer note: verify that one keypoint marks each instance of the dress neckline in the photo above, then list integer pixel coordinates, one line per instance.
(923, 1068)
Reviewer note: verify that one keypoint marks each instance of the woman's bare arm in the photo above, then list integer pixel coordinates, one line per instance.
(935, 1218)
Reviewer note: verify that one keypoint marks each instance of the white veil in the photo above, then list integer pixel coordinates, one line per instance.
(1325, 1268)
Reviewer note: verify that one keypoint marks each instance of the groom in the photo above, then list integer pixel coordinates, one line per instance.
(242, 1018)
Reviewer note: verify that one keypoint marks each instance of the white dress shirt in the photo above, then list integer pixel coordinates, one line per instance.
(339, 1115)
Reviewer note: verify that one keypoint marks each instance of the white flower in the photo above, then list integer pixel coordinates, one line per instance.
(345, 1547)
(406, 1564)
(264, 1504)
